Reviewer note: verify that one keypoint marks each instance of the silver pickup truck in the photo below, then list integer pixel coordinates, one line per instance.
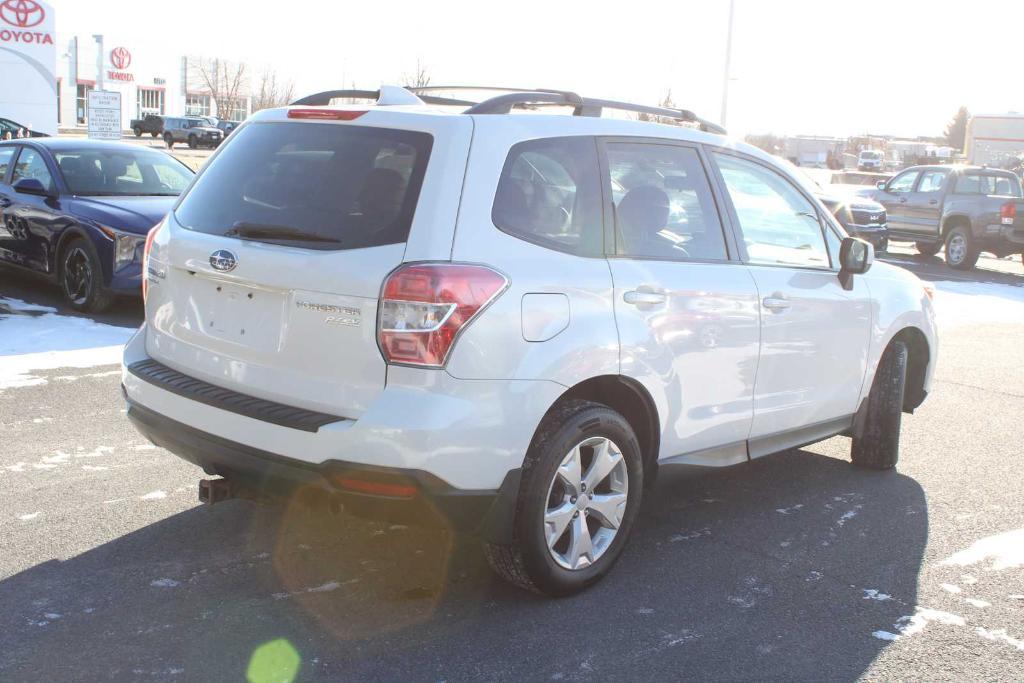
(969, 209)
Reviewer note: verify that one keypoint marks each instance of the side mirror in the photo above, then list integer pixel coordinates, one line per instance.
(855, 258)
(31, 186)
(881, 185)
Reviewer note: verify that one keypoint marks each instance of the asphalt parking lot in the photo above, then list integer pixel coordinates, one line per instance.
(793, 567)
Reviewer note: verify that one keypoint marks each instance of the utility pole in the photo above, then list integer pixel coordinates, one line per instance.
(728, 60)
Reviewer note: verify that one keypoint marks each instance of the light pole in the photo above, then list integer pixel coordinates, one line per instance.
(100, 62)
(728, 59)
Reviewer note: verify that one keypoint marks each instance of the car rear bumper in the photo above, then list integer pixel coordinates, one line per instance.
(393, 494)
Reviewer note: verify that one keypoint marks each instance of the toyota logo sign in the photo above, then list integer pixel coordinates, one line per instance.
(22, 13)
(120, 58)
(223, 260)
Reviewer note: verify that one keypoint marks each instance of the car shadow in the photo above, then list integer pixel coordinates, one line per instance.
(782, 568)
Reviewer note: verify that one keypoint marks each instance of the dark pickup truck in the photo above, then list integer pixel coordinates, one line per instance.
(967, 209)
(150, 123)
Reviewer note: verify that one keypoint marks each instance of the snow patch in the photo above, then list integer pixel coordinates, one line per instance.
(913, 624)
(1000, 635)
(786, 511)
(164, 583)
(154, 495)
(69, 342)
(975, 602)
(325, 588)
(1006, 551)
(873, 594)
(965, 303)
(28, 517)
(848, 515)
(950, 588)
(689, 536)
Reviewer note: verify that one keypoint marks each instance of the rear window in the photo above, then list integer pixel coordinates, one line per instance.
(550, 194)
(979, 183)
(314, 185)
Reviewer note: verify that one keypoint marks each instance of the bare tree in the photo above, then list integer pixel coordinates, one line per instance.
(225, 81)
(272, 92)
(420, 79)
(666, 103)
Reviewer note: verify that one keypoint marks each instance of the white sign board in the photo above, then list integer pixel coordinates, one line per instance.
(104, 115)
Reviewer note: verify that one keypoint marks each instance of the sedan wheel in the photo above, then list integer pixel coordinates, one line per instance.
(78, 275)
(81, 278)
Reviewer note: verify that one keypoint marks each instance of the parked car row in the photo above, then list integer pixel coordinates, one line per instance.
(195, 131)
(78, 211)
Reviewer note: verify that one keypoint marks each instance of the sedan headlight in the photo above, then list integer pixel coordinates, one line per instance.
(127, 246)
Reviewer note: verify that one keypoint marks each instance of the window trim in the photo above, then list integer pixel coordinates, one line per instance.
(735, 221)
(540, 241)
(611, 234)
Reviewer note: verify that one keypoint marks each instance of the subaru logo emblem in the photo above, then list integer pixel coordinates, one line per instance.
(223, 260)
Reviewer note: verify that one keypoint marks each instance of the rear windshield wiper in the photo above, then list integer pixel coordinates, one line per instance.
(280, 232)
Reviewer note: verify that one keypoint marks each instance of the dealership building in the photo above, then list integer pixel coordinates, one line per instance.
(47, 76)
(148, 83)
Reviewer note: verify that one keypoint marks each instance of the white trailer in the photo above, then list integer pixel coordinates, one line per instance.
(995, 140)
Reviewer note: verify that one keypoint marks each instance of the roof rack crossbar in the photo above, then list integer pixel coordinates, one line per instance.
(322, 99)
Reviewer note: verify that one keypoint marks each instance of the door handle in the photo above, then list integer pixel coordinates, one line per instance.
(639, 297)
(903, 200)
(776, 302)
(933, 201)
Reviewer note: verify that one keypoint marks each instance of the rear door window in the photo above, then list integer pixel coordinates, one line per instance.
(664, 208)
(314, 185)
(549, 193)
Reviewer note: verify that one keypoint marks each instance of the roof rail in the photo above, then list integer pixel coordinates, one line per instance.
(585, 106)
(503, 104)
(387, 95)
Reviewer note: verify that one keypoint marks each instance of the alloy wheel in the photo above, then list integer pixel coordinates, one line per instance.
(586, 503)
(77, 275)
(956, 250)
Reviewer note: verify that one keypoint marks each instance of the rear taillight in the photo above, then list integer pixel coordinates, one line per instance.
(325, 114)
(425, 306)
(1008, 212)
(145, 258)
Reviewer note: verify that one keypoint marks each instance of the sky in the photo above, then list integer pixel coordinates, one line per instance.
(828, 67)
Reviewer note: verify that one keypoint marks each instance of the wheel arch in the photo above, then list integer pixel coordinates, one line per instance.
(919, 357)
(630, 399)
(954, 220)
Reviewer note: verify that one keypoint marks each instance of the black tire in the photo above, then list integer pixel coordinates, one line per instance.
(169, 140)
(527, 562)
(155, 134)
(192, 142)
(137, 131)
(928, 248)
(964, 252)
(878, 447)
(81, 277)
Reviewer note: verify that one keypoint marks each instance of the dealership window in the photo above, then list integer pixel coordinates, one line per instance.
(197, 105)
(232, 109)
(151, 101)
(82, 102)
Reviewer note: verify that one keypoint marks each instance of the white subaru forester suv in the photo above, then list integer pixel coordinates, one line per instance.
(509, 318)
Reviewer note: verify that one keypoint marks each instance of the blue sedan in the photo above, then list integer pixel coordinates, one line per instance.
(79, 211)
